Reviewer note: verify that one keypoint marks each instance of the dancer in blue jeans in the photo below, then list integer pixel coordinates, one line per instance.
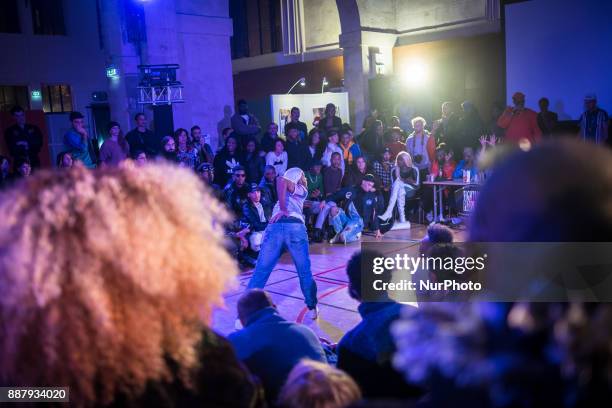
(287, 230)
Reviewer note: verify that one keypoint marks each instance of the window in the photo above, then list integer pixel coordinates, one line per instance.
(240, 37)
(57, 98)
(48, 17)
(257, 27)
(9, 17)
(13, 95)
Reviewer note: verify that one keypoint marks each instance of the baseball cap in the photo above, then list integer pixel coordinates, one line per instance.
(253, 187)
(590, 97)
(368, 177)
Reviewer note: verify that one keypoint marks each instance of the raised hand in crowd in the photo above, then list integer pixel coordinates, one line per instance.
(483, 141)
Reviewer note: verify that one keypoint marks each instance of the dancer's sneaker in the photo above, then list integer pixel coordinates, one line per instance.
(313, 314)
(401, 226)
(456, 220)
(385, 217)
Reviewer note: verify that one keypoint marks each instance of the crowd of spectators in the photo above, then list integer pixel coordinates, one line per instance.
(132, 327)
(367, 181)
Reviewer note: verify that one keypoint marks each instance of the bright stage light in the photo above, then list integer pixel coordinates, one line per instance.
(415, 73)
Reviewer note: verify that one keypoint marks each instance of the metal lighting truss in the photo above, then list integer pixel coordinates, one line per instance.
(160, 95)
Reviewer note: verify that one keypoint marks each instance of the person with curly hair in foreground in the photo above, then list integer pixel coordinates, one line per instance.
(312, 384)
(99, 293)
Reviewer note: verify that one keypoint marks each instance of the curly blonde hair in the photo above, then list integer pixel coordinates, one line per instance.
(108, 278)
(318, 385)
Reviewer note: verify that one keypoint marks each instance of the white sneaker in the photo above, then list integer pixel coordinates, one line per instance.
(313, 314)
(238, 325)
(385, 217)
(401, 225)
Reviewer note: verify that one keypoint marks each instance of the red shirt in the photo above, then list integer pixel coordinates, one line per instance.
(448, 168)
(520, 125)
(396, 148)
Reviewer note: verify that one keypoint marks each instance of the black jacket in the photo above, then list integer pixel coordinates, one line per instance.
(235, 197)
(368, 205)
(24, 143)
(267, 142)
(302, 129)
(372, 145)
(268, 190)
(145, 141)
(222, 381)
(324, 128)
(245, 130)
(254, 166)
(298, 155)
(250, 216)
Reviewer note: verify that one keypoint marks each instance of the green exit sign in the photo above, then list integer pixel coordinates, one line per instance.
(36, 94)
(112, 72)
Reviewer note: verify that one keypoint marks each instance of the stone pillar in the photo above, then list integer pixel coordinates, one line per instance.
(356, 70)
(124, 56)
(204, 30)
(195, 35)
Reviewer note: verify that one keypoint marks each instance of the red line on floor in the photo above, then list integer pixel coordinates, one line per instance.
(329, 281)
(329, 270)
(300, 317)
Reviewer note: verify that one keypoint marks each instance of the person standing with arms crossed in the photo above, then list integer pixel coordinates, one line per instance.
(286, 229)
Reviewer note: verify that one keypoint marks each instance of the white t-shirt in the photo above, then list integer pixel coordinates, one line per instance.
(279, 162)
(260, 212)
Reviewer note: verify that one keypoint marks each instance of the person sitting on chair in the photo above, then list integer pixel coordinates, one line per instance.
(404, 186)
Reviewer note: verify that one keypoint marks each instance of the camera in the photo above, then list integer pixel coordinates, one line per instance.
(418, 158)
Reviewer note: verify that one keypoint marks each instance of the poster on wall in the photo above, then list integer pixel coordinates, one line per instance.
(312, 107)
(284, 115)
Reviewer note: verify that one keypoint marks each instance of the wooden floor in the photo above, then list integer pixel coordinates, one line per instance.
(338, 312)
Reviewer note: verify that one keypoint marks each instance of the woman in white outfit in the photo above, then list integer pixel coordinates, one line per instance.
(406, 177)
(278, 157)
